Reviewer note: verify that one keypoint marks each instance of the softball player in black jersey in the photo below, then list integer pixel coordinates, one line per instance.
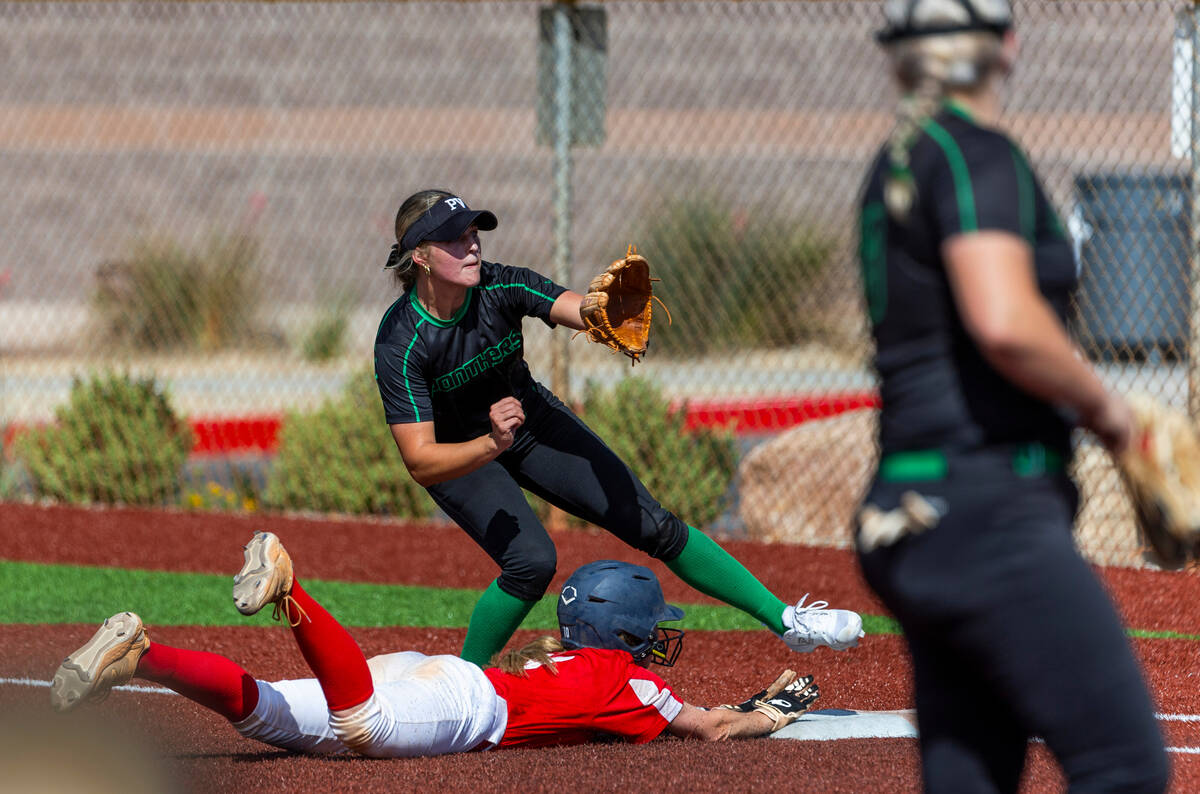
(965, 532)
(474, 428)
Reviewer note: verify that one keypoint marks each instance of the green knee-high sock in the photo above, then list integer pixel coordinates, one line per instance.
(713, 571)
(496, 617)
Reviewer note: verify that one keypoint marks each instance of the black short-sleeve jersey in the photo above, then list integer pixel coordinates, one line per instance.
(937, 389)
(451, 371)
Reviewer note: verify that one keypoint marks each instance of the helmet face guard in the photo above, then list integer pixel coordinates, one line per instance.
(617, 605)
(666, 647)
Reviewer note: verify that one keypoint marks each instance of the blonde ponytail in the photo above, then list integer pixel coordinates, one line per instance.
(537, 651)
(899, 187)
(926, 67)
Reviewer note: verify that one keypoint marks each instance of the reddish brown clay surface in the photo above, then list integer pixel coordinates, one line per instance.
(169, 743)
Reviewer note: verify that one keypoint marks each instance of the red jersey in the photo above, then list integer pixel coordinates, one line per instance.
(595, 692)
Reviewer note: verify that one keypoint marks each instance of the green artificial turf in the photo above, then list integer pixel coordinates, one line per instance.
(37, 593)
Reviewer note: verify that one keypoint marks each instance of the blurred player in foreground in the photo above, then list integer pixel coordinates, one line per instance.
(966, 531)
(474, 428)
(594, 682)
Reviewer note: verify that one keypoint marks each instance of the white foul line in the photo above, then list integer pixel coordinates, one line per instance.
(821, 725)
(158, 690)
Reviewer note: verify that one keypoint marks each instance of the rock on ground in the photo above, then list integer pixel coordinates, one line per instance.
(804, 486)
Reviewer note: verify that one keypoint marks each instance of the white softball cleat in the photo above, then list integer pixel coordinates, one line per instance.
(266, 576)
(108, 659)
(815, 625)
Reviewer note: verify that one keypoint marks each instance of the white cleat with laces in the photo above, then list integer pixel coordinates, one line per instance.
(814, 625)
(266, 576)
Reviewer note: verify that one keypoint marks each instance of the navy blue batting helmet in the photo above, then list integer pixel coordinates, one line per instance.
(611, 604)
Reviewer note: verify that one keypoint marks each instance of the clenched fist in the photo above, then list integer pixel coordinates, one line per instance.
(506, 415)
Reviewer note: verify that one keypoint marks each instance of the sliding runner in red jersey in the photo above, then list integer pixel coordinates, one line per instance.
(591, 683)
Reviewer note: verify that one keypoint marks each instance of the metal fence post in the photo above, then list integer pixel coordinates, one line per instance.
(1193, 373)
(560, 370)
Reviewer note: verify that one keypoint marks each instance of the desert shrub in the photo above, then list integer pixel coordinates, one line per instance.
(325, 339)
(733, 278)
(688, 471)
(163, 296)
(116, 441)
(8, 473)
(341, 458)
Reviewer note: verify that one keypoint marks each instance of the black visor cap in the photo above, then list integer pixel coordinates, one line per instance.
(446, 221)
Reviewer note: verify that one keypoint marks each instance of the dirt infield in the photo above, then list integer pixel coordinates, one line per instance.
(196, 751)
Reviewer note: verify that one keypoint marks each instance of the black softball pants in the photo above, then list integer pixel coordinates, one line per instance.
(558, 458)
(1012, 636)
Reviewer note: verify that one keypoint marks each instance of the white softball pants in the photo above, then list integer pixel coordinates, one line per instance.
(422, 705)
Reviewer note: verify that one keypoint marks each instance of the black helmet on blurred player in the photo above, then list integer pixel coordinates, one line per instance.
(611, 604)
(909, 18)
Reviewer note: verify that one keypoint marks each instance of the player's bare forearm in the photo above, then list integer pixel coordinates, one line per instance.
(715, 725)
(1049, 366)
(565, 310)
(430, 462)
(1016, 330)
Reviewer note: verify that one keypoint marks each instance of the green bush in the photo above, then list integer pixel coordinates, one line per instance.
(342, 458)
(326, 338)
(8, 474)
(116, 441)
(732, 278)
(166, 297)
(689, 472)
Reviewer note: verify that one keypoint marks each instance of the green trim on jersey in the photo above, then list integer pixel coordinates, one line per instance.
(1026, 210)
(1056, 227)
(964, 192)
(958, 110)
(386, 315)
(1052, 220)
(404, 368)
(489, 358)
(872, 257)
(466, 304)
(522, 286)
(458, 315)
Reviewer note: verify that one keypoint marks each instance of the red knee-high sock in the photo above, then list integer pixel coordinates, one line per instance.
(206, 678)
(331, 653)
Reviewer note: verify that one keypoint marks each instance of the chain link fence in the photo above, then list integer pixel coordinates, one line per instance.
(204, 193)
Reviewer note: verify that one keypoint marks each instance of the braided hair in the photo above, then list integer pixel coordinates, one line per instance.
(935, 46)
